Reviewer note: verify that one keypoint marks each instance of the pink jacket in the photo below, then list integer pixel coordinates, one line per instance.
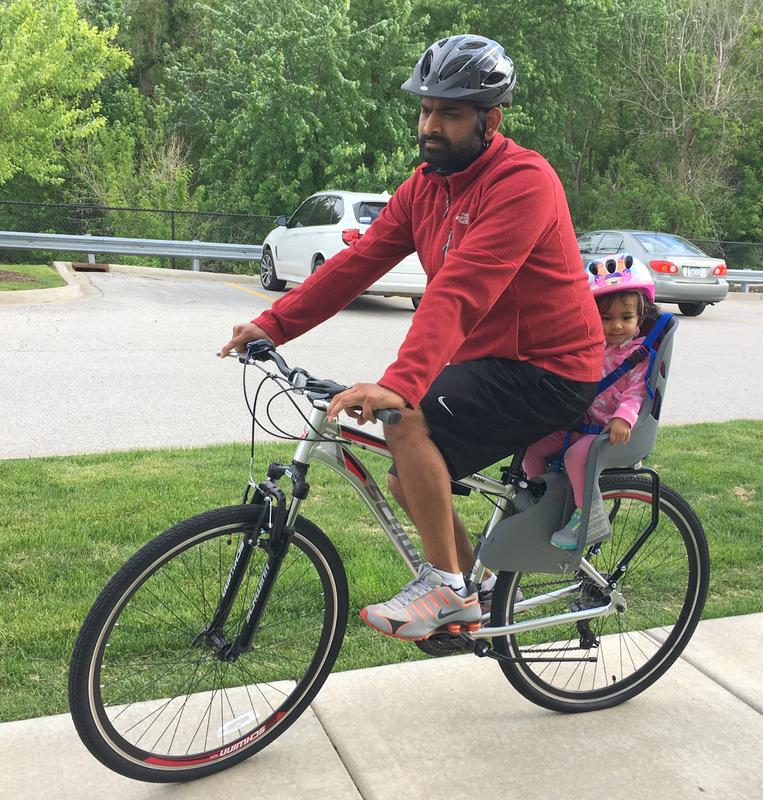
(624, 397)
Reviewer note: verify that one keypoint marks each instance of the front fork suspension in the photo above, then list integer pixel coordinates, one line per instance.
(272, 520)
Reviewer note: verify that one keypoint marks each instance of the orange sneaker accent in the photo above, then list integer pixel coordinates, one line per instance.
(454, 627)
(473, 626)
(443, 597)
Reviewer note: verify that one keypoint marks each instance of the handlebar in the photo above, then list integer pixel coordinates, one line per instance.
(315, 388)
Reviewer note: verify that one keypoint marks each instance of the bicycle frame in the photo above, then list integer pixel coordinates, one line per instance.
(326, 442)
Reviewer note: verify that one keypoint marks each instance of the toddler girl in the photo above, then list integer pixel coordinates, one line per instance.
(624, 293)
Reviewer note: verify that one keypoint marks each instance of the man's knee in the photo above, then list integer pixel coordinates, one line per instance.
(411, 428)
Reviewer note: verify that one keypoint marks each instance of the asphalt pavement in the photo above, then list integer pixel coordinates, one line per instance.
(132, 364)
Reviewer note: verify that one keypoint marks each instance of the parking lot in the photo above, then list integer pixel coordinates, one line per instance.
(135, 365)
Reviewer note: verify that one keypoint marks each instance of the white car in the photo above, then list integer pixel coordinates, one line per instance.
(324, 224)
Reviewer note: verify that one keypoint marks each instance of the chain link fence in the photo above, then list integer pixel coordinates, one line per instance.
(139, 223)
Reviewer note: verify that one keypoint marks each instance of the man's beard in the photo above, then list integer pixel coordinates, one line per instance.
(447, 157)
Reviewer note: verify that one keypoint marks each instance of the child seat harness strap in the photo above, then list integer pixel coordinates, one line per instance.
(644, 350)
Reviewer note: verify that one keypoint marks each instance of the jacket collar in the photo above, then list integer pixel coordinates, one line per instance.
(459, 181)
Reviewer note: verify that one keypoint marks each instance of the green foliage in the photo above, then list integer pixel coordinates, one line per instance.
(284, 98)
(50, 62)
(646, 109)
(744, 213)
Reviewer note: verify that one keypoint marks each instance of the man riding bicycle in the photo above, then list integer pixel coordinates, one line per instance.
(506, 344)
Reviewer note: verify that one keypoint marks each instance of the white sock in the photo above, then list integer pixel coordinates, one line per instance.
(453, 579)
(488, 583)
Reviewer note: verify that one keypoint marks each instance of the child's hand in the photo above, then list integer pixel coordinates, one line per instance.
(619, 430)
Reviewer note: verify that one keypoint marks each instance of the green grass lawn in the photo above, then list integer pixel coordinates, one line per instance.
(66, 524)
(15, 277)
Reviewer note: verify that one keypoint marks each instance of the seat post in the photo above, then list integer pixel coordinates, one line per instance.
(514, 473)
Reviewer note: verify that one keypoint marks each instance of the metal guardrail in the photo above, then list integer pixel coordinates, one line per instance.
(745, 277)
(132, 247)
(197, 250)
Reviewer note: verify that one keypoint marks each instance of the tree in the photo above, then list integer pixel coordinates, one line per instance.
(50, 60)
(679, 104)
(286, 97)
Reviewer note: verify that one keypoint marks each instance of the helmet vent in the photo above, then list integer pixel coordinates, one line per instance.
(493, 78)
(456, 65)
(426, 64)
(474, 44)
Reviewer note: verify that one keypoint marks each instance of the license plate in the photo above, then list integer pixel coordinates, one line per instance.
(695, 272)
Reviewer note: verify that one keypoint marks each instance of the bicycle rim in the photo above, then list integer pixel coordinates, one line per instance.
(152, 702)
(574, 667)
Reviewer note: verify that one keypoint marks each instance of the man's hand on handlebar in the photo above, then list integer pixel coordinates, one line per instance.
(367, 397)
(242, 335)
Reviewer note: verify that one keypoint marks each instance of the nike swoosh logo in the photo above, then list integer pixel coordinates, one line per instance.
(441, 401)
(447, 614)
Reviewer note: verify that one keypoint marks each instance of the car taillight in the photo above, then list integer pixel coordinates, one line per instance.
(721, 269)
(663, 266)
(351, 235)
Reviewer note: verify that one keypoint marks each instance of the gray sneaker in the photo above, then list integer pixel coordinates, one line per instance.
(422, 607)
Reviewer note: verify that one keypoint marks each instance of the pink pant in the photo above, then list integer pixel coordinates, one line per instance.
(574, 459)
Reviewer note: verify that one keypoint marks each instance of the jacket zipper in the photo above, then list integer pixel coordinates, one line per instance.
(444, 217)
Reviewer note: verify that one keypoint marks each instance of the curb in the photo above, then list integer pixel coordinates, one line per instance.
(744, 296)
(78, 287)
(183, 274)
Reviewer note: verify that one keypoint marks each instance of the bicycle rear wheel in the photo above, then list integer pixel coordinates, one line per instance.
(606, 661)
(154, 702)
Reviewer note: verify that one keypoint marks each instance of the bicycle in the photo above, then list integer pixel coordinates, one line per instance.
(217, 634)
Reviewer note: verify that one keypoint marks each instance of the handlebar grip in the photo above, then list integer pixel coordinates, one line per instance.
(389, 415)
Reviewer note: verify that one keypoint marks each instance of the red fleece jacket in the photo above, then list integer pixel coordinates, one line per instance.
(504, 277)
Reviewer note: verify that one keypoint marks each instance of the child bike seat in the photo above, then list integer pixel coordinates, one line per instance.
(521, 542)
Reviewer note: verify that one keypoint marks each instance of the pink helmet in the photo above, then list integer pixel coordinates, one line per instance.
(619, 273)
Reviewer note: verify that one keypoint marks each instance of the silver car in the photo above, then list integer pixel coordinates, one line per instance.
(682, 273)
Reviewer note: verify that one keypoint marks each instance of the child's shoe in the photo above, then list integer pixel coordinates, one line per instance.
(598, 528)
(566, 538)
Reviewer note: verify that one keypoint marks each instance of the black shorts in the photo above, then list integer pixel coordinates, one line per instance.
(479, 412)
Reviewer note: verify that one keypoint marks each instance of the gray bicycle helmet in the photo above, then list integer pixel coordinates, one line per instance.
(465, 67)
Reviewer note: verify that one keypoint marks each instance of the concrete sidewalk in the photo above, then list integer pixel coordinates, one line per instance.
(455, 728)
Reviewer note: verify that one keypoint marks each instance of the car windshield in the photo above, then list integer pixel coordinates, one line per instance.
(667, 243)
(367, 211)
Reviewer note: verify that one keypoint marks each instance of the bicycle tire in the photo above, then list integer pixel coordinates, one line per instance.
(147, 618)
(665, 588)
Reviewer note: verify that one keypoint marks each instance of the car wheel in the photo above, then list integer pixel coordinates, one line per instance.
(691, 309)
(415, 301)
(268, 277)
(319, 262)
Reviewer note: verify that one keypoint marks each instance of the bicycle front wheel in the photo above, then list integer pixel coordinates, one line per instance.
(153, 700)
(602, 662)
